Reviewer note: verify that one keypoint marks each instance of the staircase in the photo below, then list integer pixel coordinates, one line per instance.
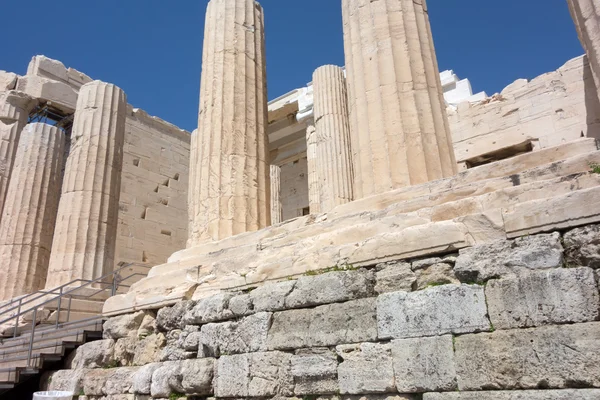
(65, 318)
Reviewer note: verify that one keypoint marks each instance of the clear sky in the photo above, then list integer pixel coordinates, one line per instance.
(152, 48)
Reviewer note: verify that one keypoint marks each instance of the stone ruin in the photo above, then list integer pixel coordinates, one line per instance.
(382, 233)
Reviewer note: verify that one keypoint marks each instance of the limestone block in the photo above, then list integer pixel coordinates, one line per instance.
(141, 381)
(231, 177)
(148, 325)
(395, 277)
(254, 375)
(506, 258)
(424, 364)
(331, 287)
(170, 318)
(557, 296)
(210, 309)
(366, 368)
(568, 394)
(314, 192)
(276, 207)
(269, 297)
(29, 212)
(86, 224)
(120, 381)
(332, 126)
(193, 377)
(189, 340)
(553, 356)
(435, 311)
(125, 351)
(586, 15)
(149, 349)
(329, 325)
(174, 351)
(582, 246)
(315, 372)
(246, 336)
(94, 381)
(399, 129)
(52, 69)
(60, 94)
(436, 274)
(97, 354)
(124, 326)
(67, 380)
(8, 81)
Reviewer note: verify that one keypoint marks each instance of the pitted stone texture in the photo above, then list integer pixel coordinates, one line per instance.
(331, 287)
(86, 224)
(123, 326)
(269, 297)
(400, 134)
(142, 379)
(329, 325)
(67, 380)
(553, 357)
(315, 372)
(94, 381)
(125, 351)
(557, 296)
(120, 381)
(334, 155)
(569, 394)
(29, 213)
(97, 354)
(173, 350)
(246, 336)
(436, 274)
(507, 258)
(189, 340)
(395, 277)
(432, 312)
(192, 377)
(366, 368)
(582, 246)
(254, 375)
(170, 318)
(424, 364)
(230, 177)
(149, 349)
(148, 325)
(210, 309)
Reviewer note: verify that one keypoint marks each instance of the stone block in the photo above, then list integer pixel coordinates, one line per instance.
(125, 351)
(192, 377)
(149, 349)
(120, 381)
(504, 258)
(366, 368)
(554, 357)
(315, 372)
(142, 379)
(8, 81)
(245, 336)
(173, 351)
(332, 287)
(394, 277)
(60, 94)
(123, 326)
(435, 274)
(569, 394)
(169, 318)
(94, 381)
(424, 364)
(582, 246)
(432, 312)
(254, 375)
(67, 380)
(97, 354)
(271, 297)
(557, 296)
(329, 325)
(210, 309)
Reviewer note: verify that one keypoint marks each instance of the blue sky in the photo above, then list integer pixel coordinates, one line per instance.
(152, 48)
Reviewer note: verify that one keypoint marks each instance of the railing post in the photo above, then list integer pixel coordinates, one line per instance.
(32, 338)
(114, 285)
(58, 310)
(69, 309)
(18, 317)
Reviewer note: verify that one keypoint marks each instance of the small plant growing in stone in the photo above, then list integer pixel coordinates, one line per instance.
(595, 168)
(175, 396)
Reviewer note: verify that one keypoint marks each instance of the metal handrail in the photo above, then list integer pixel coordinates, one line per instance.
(115, 282)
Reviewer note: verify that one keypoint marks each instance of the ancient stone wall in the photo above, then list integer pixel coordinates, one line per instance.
(294, 188)
(554, 108)
(510, 319)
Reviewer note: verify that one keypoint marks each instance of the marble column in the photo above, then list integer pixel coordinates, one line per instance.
(86, 224)
(314, 195)
(276, 210)
(586, 15)
(231, 181)
(29, 211)
(14, 111)
(400, 134)
(334, 162)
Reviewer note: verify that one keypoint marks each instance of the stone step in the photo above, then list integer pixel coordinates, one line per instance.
(65, 316)
(66, 336)
(77, 305)
(51, 332)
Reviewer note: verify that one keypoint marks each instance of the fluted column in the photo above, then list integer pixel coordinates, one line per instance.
(30, 209)
(232, 191)
(400, 134)
(586, 15)
(334, 163)
(276, 210)
(86, 225)
(14, 111)
(314, 196)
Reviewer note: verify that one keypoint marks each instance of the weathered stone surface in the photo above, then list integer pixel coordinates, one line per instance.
(586, 15)
(556, 296)
(366, 368)
(329, 325)
(189, 340)
(569, 394)
(173, 350)
(315, 372)
(254, 375)
(97, 354)
(394, 277)
(61, 95)
(436, 274)
(170, 318)
(94, 381)
(435, 311)
(142, 379)
(425, 262)
(148, 325)
(191, 377)
(166, 380)
(331, 287)
(123, 326)
(125, 351)
(551, 356)
(149, 349)
(210, 309)
(424, 364)
(67, 380)
(582, 246)
(276, 206)
(120, 381)
(269, 297)
(246, 336)
(8, 81)
(509, 257)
